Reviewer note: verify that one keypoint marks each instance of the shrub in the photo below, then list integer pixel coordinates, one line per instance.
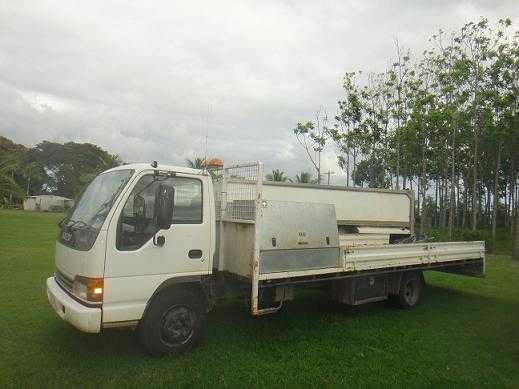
(56, 208)
(442, 235)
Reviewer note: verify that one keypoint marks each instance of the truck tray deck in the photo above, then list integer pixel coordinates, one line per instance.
(416, 255)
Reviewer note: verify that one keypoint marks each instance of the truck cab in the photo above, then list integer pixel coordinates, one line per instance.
(114, 253)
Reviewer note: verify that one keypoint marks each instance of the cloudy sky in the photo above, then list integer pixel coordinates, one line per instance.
(148, 80)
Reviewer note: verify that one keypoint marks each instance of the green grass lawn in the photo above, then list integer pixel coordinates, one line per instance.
(465, 334)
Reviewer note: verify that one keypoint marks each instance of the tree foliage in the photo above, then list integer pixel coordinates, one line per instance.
(195, 163)
(277, 176)
(444, 123)
(312, 136)
(304, 178)
(49, 168)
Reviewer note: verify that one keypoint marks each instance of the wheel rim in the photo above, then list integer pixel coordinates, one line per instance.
(177, 325)
(411, 292)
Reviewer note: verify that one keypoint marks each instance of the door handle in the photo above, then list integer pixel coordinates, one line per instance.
(195, 254)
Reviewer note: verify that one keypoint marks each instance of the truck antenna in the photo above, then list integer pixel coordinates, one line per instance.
(206, 135)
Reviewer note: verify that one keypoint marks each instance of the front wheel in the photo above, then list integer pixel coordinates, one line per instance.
(411, 290)
(172, 324)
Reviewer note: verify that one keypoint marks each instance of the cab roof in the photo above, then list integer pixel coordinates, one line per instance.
(138, 167)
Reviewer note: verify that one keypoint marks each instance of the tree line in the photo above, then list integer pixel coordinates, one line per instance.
(49, 167)
(444, 123)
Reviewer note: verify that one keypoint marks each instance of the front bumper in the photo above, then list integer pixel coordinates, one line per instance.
(83, 318)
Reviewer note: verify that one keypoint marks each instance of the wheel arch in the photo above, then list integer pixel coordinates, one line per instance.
(196, 284)
(398, 278)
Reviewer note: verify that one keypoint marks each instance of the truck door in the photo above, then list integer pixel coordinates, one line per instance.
(136, 264)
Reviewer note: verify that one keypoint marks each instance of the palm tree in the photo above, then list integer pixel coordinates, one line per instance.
(304, 178)
(197, 163)
(9, 188)
(277, 175)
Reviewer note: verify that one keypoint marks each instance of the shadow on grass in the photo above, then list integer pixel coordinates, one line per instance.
(229, 326)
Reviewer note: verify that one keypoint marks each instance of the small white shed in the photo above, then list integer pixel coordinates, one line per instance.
(47, 203)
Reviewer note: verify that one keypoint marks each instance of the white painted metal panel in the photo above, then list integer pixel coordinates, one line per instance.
(237, 248)
(372, 206)
(350, 240)
(396, 255)
(295, 225)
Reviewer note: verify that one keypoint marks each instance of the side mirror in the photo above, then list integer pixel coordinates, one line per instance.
(164, 202)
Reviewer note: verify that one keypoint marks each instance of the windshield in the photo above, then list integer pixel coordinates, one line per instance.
(97, 199)
(81, 228)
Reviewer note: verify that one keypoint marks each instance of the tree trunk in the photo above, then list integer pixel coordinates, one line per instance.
(445, 191)
(417, 209)
(465, 201)
(348, 169)
(452, 194)
(496, 193)
(436, 190)
(512, 202)
(478, 123)
(457, 214)
(515, 247)
(487, 208)
(440, 199)
(505, 208)
(422, 211)
(354, 165)
(452, 202)
(475, 177)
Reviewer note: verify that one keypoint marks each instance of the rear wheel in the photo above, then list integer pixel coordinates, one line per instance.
(411, 290)
(172, 324)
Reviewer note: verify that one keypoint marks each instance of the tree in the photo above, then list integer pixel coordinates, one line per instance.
(277, 176)
(474, 39)
(399, 79)
(348, 132)
(10, 190)
(18, 173)
(62, 169)
(196, 163)
(515, 236)
(372, 173)
(312, 137)
(304, 178)
(447, 123)
(71, 166)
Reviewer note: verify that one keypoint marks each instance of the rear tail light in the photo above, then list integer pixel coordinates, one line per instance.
(88, 289)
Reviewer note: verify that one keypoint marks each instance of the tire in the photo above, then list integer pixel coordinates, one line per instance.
(172, 323)
(411, 290)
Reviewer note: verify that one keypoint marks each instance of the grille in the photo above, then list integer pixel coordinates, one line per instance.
(63, 281)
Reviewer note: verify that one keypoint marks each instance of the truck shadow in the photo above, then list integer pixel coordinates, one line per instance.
(229, 326)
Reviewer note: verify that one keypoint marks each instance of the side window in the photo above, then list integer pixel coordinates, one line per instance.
(137, 224)
(188, 200)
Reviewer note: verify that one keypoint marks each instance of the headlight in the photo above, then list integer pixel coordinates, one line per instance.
(88, 289)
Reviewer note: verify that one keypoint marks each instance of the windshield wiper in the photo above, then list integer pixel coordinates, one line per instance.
(107, 205)
(63, 221)
(79, 224)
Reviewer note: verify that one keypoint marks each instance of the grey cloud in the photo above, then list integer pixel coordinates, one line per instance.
(138, 78)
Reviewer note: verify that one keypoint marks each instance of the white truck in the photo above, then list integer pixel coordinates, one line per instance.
(154, 247)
